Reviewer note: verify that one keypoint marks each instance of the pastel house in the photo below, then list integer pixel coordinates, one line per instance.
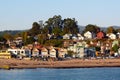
(88, 35)
(62, 52)
(5, 54)
(35, 52)
(44, 52)
(52, 53)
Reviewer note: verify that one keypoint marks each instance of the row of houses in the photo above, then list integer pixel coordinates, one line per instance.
(43, 53)
(80, 49)
(79, 46)
(93, 48)
(90, 35)
(87, 35)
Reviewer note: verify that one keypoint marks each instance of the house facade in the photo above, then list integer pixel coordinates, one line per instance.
(44, 52)
(5, 54)
(88, 35)
(62, 52)
(67, 36)
(52, 53)
(100, 35)
(111, 36)
(35, 52)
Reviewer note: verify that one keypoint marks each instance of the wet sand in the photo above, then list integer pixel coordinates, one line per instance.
(73, 63)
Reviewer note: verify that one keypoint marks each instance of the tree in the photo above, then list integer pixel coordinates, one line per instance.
(115, 48)
(53, 23)
(29, 40)
(110, 30)
(42, 38)
(70, 26)
(54, 42)
(36, 29)
(8, 36)
(91, 28)
(24, 36)
(57, 31)
(2, 42)
(59, 27)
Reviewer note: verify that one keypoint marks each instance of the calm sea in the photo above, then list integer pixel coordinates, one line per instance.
(61, 74)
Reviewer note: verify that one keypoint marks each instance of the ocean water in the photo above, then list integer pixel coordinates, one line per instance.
(61, 74)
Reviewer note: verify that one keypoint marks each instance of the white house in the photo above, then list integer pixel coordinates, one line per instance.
(13, 51)
(18, 52)
(80, 49)
(67, 36)
(118, 34)
(35, 52)
(111, 36)
(80, 37)
(88, 35)
(52, 53)
(62, 52)
(44, 52)
(72, 48)
(77, 48)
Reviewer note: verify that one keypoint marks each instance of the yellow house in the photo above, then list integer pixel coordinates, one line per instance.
(5, 54)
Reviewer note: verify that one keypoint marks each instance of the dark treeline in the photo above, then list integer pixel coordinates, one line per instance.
(55, 25)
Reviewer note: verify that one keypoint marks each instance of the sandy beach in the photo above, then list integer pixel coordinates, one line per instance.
(73, 63)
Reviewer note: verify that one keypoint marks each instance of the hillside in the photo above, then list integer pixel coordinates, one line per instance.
(12, 32)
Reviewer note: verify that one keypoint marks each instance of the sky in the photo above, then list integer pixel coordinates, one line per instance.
(20, 14)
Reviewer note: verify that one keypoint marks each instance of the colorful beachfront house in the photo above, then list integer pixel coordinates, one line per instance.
(19, 53)
(72, 47)
(62, 52)
(14, 52)
(80, 49)
(44, 52)
(5, 54)
(35, 53)
(52, 52)
(77, 48)
(88, 35)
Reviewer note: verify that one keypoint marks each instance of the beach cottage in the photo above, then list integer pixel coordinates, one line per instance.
(44, 53)
(35, 53)
(62, 52)
(5, 54)
(52, 53)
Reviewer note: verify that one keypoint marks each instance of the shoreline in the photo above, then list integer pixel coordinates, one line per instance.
(73, 63)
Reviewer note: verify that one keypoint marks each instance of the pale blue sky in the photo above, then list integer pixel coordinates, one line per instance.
(20, 14)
